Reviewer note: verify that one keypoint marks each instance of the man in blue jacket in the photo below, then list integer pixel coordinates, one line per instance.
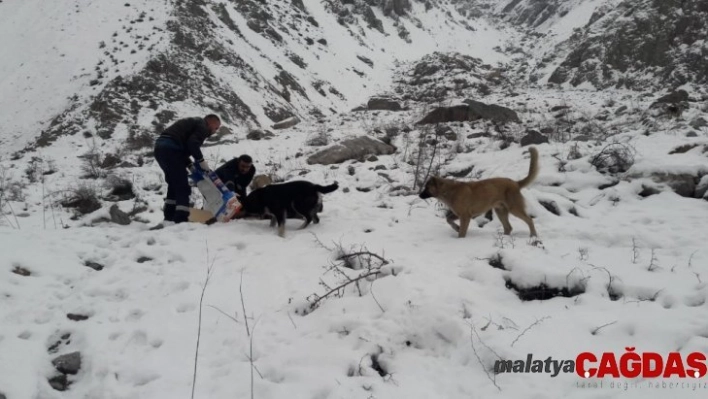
(173, 148)
(237, 174)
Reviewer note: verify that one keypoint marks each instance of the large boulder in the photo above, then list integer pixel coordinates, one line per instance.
(358, 148)
(287, 123)
(384, 104)
(533, 137)
(671, 105)
(471, 111)
(682, 184)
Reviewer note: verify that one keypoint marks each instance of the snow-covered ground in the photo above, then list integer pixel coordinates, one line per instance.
(436, 318)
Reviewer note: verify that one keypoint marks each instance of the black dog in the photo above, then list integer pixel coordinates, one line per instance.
(300, 199)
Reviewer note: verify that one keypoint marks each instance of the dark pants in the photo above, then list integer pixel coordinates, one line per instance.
(171, 159)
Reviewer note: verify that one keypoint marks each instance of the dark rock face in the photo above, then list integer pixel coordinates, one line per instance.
(637, 39)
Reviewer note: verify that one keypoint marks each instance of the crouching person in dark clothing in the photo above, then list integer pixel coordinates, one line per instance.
(237, 174)
(173, 148)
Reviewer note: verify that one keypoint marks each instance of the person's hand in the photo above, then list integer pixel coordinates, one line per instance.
(204, 166)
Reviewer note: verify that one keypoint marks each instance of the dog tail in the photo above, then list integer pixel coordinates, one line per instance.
(326, 189)
(533, 169)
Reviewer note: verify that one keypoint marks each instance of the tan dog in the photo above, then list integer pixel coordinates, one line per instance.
(468, 200)
(260, 181)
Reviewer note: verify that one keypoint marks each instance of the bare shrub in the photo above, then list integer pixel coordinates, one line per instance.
(37, 167)
(84, 199)
(352, 268)
(614, 158)
(92, 165)
(423, 158)
(574, 152)
(7, 195)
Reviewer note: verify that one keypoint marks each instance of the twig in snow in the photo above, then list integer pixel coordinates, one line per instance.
(479, 359)
(371, 289)
(210, 268)
(596, 330)
(243, 305)
(528, 328)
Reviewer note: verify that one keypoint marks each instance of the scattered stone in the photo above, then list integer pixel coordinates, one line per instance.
(21, 271)
(256, 134)
(608, 185)
(648, 191)
(551, 206)
(94, 265)
(118, 216)
(365, 60)
(543, 292)
(533, 137)
(76, 317)
(59, 382)
(683, 149)
(447, 132)
(698, 122)
(68, 364)
(287, 123)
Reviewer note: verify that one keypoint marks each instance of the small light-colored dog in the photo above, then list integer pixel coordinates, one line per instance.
(467, 200)
(260, 181)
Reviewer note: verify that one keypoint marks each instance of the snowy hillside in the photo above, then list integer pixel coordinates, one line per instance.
(256, 63)
(380, 299)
